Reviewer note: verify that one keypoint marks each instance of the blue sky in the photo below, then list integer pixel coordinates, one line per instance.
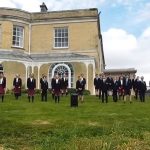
(125, 26)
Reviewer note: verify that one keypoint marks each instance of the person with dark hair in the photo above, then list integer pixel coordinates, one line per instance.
(17, 83)
(96, 84)
(31, 85)
(121, 88)
(127, 85)
(2, 86)
(105, 90)
(64, 85)
(44, 88)
(142, 89)
(100, 81)
(80, 85)
(83, 80)
(52, 87)
(57, 88)
(115, 88)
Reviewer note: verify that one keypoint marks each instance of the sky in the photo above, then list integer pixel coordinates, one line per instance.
(125, 27)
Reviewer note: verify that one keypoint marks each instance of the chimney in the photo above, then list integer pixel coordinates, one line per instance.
(43, 7)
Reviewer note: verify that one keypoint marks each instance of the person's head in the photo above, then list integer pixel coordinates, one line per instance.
(104, 78)
(17, 75)
(78, 77)
(64, 75)
(44, 77)
(137, 77)
(82, 75)
(142, 78)
(96, 75)
(57, 76)
(31, 75)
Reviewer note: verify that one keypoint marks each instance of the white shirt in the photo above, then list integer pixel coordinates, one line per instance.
(16, 79)
(56, 81)
(1, 80)
(31, 79)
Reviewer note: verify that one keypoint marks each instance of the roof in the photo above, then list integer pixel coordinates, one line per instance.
(13, 55)
(130, 70)
(13, 13)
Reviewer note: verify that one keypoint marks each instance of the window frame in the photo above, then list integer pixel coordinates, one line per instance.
(20, 46)
(54, 38)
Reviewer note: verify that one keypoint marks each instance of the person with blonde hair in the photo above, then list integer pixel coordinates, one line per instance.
(17, 83)
(31, 85)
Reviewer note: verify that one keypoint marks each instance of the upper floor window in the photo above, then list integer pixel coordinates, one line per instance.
(61, 38)
(18, 36)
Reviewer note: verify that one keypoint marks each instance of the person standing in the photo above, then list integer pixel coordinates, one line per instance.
(57, 88)
(115, 88)
(105, 90)
(83, 80)
(64, 85)
(52, 87)
(17, 83)
(31, 85)
(44, 88)
(80, 85)
(127, 85)
(96, 84)
(2, 86)
(100, 82)
(121, 87)
(142, 89)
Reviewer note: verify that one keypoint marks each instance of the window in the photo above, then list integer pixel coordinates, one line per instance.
(61, 38)
(18, 36)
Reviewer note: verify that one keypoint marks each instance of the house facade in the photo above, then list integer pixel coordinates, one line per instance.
(55, 42)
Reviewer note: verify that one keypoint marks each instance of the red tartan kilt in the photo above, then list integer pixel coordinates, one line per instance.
(121, 91)
(31, 92)
(56, 91)
(17, 90)
(2, 91)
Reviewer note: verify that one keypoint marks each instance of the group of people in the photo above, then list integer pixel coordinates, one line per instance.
(120, 87)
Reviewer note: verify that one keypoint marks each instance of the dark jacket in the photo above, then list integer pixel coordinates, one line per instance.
(17, 84)
(44, 85)
(31, 85)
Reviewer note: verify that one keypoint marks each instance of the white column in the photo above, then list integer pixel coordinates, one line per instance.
(32, 69)
(26, 76)
(87, 75)
(93, 76)
(38, 86)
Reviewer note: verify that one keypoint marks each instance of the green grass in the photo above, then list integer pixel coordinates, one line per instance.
(91, 126)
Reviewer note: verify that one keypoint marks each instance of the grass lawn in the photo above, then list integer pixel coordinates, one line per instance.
(91, 126)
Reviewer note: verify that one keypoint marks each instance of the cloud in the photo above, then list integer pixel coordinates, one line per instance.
(9, 3)
(143, 14)
(124, 50)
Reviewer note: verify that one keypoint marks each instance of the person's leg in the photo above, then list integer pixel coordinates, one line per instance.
(102, 96)
(58, 98)
(32, 99)
(100, 93)
(106, 96)
(46, 96)
(2, 98)
(29, 98)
